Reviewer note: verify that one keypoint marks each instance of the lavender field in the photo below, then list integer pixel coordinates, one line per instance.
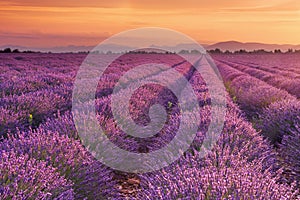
(256, 156)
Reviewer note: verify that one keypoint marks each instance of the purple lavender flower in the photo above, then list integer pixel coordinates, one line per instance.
(23, 177)
(289, 152)
(67, 156)
(279, 119)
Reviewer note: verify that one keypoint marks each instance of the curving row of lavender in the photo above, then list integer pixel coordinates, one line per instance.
(273, 111)
(288, 83)
(37, 162)
(283, 64)
(41, 156)
(55, 142)
(252, 94)
(34, 87)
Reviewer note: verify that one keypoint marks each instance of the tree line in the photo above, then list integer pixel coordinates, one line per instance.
(213, 51)
(9, 50)
(241, 51)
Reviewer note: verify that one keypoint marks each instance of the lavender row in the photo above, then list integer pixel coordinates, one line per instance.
(252, 94)
(188, 177)
(23, 177)
(287, 64)
(72, 167)
(140, 103)
(30, 109)
(49, 144)
(278, 120)
(241, 165)
(258, 160)
(28, 73)
(128, 61)
(291, 85)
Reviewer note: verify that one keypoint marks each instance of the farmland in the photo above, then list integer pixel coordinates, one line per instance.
(256, 156)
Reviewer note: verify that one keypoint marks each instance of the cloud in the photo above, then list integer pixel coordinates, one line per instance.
(137, 4)
(66, 21)
(61, 3)
(267, 6)
(37, 39)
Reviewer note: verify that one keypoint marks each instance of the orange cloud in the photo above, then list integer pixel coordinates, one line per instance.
(82, 22)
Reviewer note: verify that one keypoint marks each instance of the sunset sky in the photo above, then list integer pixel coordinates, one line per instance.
(36, 23)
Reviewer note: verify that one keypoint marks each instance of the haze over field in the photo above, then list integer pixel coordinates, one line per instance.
(223, 46)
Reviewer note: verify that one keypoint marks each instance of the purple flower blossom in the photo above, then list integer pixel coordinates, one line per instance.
(279, 119)
(289, 151)
(22, 177)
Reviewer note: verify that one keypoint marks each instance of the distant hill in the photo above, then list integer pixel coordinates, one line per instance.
(104, 48)
(177, 48)
(250, 46)
(70, 48)
(228, 45)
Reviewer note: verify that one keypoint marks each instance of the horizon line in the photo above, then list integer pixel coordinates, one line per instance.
(201, 43)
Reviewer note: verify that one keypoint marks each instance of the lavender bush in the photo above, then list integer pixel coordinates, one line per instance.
(289, 151)
(242, 165)
(31, 109)
(279, 119)
(67, 156)
(277, 78)
(22, 177)
(252, 94)
(229, 180)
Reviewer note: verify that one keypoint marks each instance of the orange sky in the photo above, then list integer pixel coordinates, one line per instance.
(60, 22)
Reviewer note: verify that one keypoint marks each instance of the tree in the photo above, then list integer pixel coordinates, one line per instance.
(277, 51)
(215, 51)
(242, 51)
(7, 50)
(16, 51)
